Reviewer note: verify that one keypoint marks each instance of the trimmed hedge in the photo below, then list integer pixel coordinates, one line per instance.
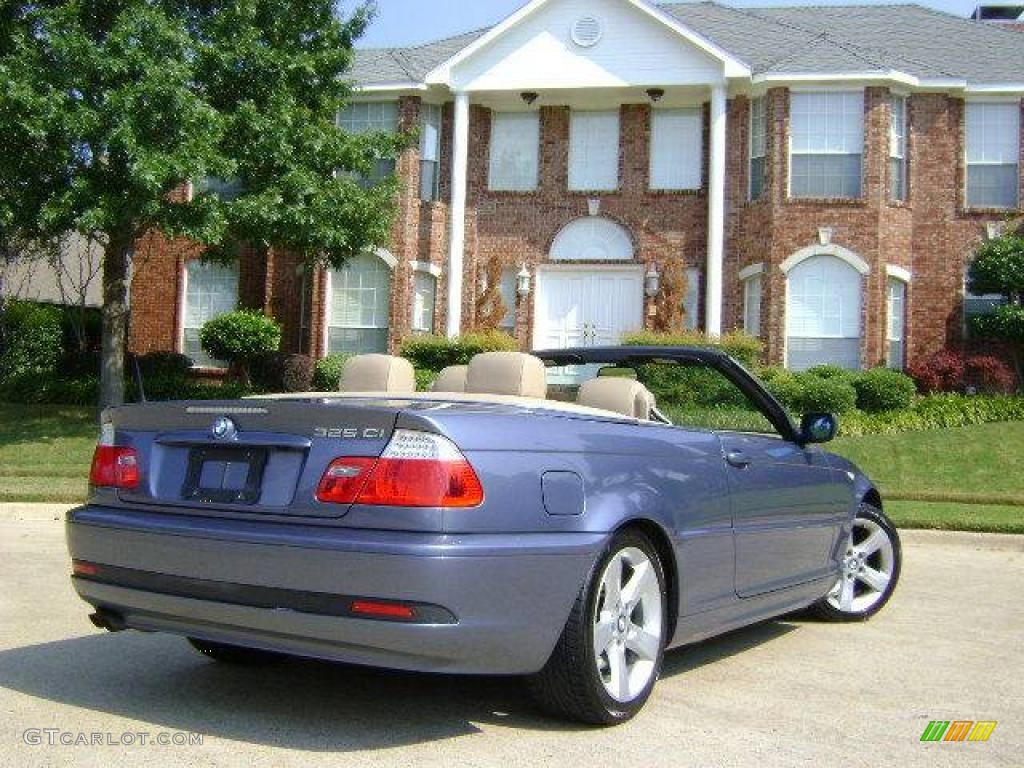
(744, 347)
(936, 412)
(31, 337)
(883, 389)
(282, 372)
(240, 336)
(327, 373)
(432, 353)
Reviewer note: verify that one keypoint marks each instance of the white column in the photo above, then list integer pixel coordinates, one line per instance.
(716, 213)
(457, 224)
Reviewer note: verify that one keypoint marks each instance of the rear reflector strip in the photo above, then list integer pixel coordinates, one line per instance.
(273, 598)
(383, 610)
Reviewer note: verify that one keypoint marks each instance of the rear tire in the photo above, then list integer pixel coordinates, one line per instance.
(610, 653)
(234, 654)
(871, 569)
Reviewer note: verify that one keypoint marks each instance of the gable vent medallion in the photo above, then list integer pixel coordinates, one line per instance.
(587, 31)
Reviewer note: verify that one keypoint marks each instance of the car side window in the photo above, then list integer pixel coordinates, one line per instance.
(698, 396)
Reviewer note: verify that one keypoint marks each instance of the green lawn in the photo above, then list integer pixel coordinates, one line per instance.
(45, 452)
(969, 478)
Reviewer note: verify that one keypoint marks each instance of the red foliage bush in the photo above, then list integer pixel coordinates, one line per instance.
(949, 371)
(988, 375)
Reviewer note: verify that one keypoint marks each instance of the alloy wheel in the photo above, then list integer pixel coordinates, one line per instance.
(867, 568)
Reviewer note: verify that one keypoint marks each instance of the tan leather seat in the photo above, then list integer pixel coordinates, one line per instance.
(378, 373)
(451, 379)
(626, 396)
(507, 373)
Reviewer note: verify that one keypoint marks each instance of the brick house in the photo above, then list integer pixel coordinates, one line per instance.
(816, 176)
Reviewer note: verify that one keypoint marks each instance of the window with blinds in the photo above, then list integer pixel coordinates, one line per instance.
(594, 151)
(211, 290)
(826, 144)
(677, 138)
(758, 147)
(367, 116)
(515, 151)
(430, 153)
(993, 154)
(360, 305)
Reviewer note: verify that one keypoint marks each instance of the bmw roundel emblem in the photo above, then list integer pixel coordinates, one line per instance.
(223, 428)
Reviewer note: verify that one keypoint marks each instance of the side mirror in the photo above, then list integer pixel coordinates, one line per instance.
(818, 427)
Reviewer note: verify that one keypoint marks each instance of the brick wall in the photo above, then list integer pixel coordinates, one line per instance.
(931, 234)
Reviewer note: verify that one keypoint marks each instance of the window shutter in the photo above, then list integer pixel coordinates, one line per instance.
(676, 148)
(594, 151)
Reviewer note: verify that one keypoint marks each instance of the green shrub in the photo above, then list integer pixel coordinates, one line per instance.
(30, 338)
(282, 372)
(744, 347)
(425, 379)
(883, 389)
(829, 371)
(165, 364)
(327, 373)
(239, 337)
(937, 411)
(689, 386)
(32, 389)
(432, 353)
(805, 392)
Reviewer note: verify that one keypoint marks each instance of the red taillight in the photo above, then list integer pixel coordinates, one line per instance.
(417, 469)
(114, 466)
(383, 609)
(344, 479)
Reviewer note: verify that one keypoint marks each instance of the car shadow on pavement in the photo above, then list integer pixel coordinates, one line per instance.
(299, 703)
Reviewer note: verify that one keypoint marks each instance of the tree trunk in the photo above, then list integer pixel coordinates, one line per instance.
(115, 319)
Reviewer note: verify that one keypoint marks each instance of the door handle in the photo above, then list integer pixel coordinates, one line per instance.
(737, 459)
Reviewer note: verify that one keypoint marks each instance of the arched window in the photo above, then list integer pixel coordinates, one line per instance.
(359, 304)
(592, 238)
(823, 308)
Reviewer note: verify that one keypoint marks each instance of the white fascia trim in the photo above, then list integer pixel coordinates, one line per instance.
(426, 266)
(1011, 89)
(844, 254)
(890, 75)
(733, 67)
(387, 87)
(897, 273)
(753, 270)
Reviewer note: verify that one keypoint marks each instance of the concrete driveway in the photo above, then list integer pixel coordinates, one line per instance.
(950, 646)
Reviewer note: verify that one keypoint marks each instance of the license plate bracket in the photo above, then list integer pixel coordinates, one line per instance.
(224, 475)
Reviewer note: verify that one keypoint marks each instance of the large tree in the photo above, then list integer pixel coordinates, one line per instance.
(998, 268)
(109, 108)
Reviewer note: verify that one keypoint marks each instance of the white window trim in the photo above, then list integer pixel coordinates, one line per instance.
(845, 254)
(897, 272)
(745, 284)
(426, 266)
(904, 158)
(325, 314)
(694, 184)
(535, 183)
(751, 270)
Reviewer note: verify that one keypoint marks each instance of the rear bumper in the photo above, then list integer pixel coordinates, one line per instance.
(510, 594)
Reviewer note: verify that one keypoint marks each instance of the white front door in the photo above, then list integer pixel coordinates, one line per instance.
(587, 306)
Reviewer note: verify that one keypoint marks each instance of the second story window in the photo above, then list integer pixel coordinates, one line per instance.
(594, 151)
(758, 147)
(993, 154)
(366, 116)
(898, 148)
(676, 149)
(826, 144)
(515, 151)
(430, 152)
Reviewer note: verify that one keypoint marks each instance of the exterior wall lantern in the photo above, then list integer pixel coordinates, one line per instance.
(523, 282)
(528, 97)
(652, 281)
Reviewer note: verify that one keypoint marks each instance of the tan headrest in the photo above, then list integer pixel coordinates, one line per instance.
(626, 396)
(451, 379)
(507, 373)
(377, 373)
